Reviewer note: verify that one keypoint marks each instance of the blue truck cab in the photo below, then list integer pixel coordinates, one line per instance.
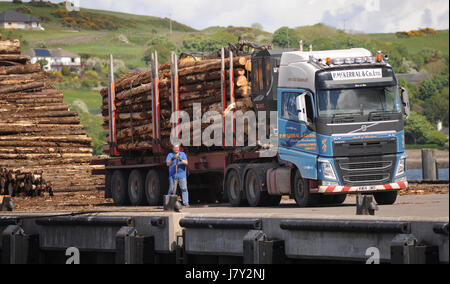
(341, 117)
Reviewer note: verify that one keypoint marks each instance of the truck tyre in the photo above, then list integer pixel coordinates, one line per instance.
(156, 186)
(233, 189)
(386, 198)
(340, 199)
(119, 188)
(136, 188)
(253, 190)
(302, 195)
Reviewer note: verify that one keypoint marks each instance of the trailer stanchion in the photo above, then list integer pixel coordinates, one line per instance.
(175, 92)
(155, 105)
(223, 87)
(112, 110)
(232, 97)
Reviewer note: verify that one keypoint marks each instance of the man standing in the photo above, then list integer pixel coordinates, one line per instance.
(174, 159)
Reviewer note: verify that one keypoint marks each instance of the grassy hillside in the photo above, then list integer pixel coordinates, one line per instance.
(415, 44)
(127, 42)
(131, 37)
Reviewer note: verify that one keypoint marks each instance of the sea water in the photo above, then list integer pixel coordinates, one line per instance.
(417, 174)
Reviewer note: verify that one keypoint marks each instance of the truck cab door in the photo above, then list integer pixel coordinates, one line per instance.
(297, 136)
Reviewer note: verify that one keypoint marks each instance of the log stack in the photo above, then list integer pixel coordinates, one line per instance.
(38, 132)
(17, 183)
(199, 82)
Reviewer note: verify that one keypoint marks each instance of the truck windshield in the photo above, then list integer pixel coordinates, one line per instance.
(363, 101)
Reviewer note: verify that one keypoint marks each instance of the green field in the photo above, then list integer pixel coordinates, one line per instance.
(92, 99)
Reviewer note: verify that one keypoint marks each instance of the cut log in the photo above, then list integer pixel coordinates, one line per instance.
(10, 47)
(20, 69)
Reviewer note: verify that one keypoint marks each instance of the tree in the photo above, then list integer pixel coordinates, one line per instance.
(285, 37)
(427, 89)
(209, 43)
(66, 71)
(43, 63)
(163, 46)
(437, 138)
(417, 129)
(257, 26)
(437, 107)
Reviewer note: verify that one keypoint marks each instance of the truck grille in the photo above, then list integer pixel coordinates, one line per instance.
(366, 166)
(361, 171)
(368, 178)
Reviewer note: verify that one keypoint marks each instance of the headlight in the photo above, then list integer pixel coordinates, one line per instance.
(327, 169)
(401, 170)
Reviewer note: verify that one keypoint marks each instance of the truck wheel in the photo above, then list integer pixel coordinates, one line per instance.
(119, 188)
(233, 188)
(340, 199)
(386, 198)
(156, 186)
(136, 188)
(302, 195)
(253, 191)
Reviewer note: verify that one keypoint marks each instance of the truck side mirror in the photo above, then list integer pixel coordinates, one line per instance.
(301, 108)
(405, 100)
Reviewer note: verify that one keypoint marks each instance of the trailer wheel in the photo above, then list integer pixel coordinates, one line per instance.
(255, 195)
(119, 188)
(302, 195)
(386, 198)
(156, 186)
(233, 189)
(136, 188)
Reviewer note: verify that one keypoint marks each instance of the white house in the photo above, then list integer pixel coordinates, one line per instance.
(56, 58)
(12, 20)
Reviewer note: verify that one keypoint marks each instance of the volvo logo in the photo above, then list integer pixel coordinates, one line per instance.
(364, 128)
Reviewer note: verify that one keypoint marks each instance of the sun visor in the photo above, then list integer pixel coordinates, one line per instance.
(350, 78)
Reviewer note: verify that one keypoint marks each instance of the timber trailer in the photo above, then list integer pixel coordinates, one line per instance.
(340, 130)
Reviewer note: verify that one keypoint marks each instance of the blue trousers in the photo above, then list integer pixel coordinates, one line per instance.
(182, 185)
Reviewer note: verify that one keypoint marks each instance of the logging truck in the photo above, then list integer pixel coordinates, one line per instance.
(339, 130)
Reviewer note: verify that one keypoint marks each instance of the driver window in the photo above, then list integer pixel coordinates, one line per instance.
(289, 107)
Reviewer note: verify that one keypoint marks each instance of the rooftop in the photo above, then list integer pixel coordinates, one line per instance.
(44, 52)
(298, 56)
(13, 16)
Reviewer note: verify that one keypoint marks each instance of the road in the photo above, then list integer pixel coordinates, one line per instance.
(411, 206)
(430, 207)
